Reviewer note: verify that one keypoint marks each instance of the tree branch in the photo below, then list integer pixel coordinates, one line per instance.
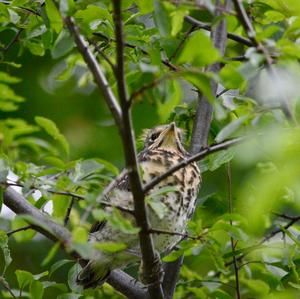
(151, 262)
(23, 228)
(207, 27)
(204, 108)
(43, 224)
(94, 67)
(202, 154)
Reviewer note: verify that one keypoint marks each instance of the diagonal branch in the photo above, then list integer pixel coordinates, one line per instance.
(207, 27)
(151, 261)
(52, 230)
(205, 152)
(98, 74)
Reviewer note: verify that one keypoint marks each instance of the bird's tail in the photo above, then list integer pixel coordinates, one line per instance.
(93, 274)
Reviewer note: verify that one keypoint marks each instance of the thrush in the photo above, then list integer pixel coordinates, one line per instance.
(162, 150)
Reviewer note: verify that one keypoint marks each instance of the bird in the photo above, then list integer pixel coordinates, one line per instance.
(163, 148)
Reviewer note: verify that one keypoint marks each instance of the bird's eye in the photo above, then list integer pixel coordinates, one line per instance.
(154, 136)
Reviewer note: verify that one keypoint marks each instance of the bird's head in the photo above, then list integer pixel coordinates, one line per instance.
(165, 137)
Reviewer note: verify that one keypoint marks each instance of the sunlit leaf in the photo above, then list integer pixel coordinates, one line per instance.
(54, 16)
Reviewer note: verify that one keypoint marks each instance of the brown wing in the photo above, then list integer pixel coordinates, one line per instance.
(121, 183)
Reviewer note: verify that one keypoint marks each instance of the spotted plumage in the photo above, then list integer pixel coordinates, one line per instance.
(162, 150)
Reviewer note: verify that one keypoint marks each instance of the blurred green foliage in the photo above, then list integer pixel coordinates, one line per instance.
(57, 135)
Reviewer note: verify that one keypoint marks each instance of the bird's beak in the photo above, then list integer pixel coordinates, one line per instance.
(169, 138)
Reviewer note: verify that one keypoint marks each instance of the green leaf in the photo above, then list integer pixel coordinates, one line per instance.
(52, 252)
(172, 99)
(50, 127)
(177, 20)
(58, 264)
(162, 18)
(36, 290)
(67, 7)
(145, 6)
(216, 160)
(40, 275)
(54, 16)
(79, 235)
(5, 250)
(69, 296)
(6, 78)
(36, 48)
(110, 247)
(24, 236)
(72, 274)
(199, 50)
(52, 284)
(62, 45)
(228, 130)
(119, 222)
(60, 206)
(24, 278)
(257, 288)
(201, 81)
(109, 166)
(157, 206)
(6, 93)
(231, 78)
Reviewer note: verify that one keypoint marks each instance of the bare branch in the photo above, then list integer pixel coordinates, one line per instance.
(273, 233)
(94, 67)
(103, 55)
(19, 230)
(183, 235)
(166, 62)
(185, 36)
(43, 224)
(151, 261)
(7, 287)
(207, 27)
(68, 213)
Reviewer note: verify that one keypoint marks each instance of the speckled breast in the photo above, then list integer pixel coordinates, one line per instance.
(179, 203)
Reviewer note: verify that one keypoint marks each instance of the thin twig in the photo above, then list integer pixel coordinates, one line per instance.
(19, 32)
(131, 46)
(103, 55)
(185, 36)
(150, 85)
(183, 235)
(206, 280)
(233, 244)
(292, 221)
(19, 230)
(273, 233)
(202, 154)
(100, 199)
(7, 287)
(68, 213)
(207, 27)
